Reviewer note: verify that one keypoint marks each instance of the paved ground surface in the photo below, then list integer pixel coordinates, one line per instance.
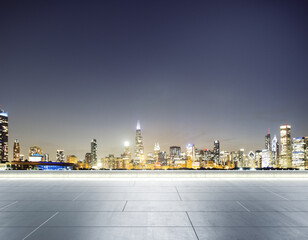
(88, 209)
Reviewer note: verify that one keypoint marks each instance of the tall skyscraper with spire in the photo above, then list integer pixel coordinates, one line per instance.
(4, 136)
(139, 149)
(16, 151)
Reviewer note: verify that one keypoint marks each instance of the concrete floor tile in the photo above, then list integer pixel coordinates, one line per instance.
(37, 196)
(129, 196)
(230, 196)
(110, 233)
(14, 233)
(60, 206)
(23, 219)
(220, 189)
(244, 219)
(211, 206)
(244, 233)
(123, 219)
(279, 206)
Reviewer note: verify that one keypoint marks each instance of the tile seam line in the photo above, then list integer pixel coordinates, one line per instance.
(124, 206)
(239, 203)
(275, 194)
(192, 225)
(33, 231)
(10, 204)
(178, 193)
(77, 196)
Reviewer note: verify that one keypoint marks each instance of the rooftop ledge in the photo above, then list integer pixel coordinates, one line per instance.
(155, 174)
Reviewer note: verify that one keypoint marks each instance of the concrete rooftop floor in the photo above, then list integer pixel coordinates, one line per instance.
(204, 209)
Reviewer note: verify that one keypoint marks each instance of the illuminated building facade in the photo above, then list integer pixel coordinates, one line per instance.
(35, 150)
(60, 156)
(156, 151)
(16, 151)
(162, 158)
(46, 157)
(266, 158)
(275, 152)
(191, 152)
(286, 146)
(4, 137)
(216, 151)
(240, 158)
(71, 159)
(87, 158)
(126, 155)
(298, 152)
(306, 152)
(93, 153)
(225, 157)
(139, 148)
(258, 158)
(252, 158)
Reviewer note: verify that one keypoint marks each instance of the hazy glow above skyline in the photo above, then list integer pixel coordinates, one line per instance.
(191, 71)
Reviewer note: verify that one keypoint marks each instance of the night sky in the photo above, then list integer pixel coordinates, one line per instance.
(190, 71)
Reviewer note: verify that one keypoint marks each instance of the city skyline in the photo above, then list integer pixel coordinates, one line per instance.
(139, 140)
(190, 71)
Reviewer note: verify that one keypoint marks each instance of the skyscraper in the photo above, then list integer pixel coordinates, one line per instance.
(275, 151)
(93, 153)
(16, 151)
(126, 154)
(298, 152)
(268, 140)
(175, 152)
(285, 146)
(87, 158)
(216, 151)
(60, 156)
(4, 136)
(139, 149)
(191, 151)
(156, 151)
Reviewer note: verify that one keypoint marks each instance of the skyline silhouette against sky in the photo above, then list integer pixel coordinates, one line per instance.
(190, 71)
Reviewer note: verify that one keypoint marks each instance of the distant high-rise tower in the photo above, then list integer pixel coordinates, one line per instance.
(139, 149)
(298, 152)
(216, 151)
(126, 154)
(285, 146)
(60, 156)
(175, 152)
(93, 153)
(156, 151)
(4, 136)
(87, 158)
(268, 140)
(191, 151)
(275, 151)
(16, 151)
